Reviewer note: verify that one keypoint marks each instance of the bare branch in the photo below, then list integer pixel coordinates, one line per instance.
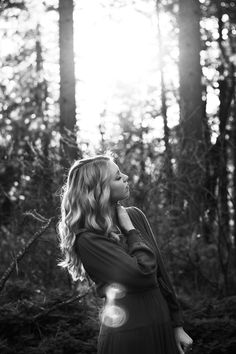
(62, 303)
(22, 252)
(35, 215)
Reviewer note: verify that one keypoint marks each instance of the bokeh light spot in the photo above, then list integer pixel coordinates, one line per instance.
(113, 316)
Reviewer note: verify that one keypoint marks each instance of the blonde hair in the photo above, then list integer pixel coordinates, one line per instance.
(84, 206)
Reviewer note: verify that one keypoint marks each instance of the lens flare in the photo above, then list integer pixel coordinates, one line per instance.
(115, 291)
(113, 316)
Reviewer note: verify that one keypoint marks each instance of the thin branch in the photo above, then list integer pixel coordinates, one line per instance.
(60, 304)
(197, 267)
(35, 215)
(22, 252)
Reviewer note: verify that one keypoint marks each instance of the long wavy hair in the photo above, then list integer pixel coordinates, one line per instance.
(85, 205)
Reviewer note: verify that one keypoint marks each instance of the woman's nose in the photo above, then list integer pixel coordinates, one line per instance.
(125, 177)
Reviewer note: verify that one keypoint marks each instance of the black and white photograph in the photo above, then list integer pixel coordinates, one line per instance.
(117, 177)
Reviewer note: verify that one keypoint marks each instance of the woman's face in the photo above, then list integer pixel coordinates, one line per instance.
(118, 183)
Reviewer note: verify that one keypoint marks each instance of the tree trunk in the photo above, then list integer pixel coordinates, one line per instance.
(67, 81)
(226, 87)
(168, 153)
(234, 176)
(191, 154)
(191, 106)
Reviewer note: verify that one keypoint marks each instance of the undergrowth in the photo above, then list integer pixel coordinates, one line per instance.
(26, 326)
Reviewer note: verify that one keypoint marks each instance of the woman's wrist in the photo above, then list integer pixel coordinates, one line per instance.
(129, 229)
(177, 328)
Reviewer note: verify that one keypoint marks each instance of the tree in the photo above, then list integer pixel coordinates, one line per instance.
(191, 107)
(67, 80)
(168, 151)
(190, 71)
(219, 159)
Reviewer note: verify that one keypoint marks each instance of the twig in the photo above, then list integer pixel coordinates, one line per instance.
(35, 215)
(197, 267)
(22, 252)
(62, 303)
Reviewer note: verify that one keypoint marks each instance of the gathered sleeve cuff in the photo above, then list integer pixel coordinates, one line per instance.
(177, 319)
(145, 256)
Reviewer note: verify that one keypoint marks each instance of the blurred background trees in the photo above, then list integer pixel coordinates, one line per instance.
(174, 134)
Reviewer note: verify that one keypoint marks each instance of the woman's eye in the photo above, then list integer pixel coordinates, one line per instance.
(118, 178)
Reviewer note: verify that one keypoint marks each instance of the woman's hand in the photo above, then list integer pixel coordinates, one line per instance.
(123, 218)
(183, 341)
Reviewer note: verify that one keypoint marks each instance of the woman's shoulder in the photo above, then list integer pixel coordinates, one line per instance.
(86, 236)
(93, 243)
(89, 237)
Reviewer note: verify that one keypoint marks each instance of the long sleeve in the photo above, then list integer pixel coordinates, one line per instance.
(107, 262)
(162, 275)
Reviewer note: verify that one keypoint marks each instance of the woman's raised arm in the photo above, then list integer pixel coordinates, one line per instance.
(107, 261)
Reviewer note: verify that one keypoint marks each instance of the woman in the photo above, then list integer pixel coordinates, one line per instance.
(117, 249)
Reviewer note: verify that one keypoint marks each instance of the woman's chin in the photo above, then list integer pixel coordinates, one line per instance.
(127, 194)
(124, 196)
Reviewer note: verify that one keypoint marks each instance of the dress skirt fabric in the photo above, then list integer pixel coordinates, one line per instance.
(147, 328)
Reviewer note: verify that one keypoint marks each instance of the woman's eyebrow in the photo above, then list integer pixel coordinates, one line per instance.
(117, 172)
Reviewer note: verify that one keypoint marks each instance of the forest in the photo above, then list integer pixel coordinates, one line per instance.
(153, 83)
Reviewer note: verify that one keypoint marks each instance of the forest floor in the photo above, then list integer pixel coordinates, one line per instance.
(31, 323)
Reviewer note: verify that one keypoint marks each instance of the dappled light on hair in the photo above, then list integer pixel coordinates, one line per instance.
(84, 205)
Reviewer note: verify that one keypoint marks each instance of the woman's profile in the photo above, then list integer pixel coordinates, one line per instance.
(117, 249)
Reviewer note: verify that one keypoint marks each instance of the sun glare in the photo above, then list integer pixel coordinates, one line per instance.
(117, 62)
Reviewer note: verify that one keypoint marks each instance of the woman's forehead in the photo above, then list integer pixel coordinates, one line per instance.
(113, 167)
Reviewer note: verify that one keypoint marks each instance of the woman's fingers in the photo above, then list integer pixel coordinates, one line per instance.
(124, 218)
(183, 340)
(188, 346)
(180, 348)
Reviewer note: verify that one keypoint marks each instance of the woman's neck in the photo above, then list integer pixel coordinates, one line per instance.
(114, 215)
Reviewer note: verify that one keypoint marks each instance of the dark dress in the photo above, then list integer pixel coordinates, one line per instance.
(140, 317)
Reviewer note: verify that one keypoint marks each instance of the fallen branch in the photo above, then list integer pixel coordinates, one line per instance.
(22, 252)
(60, 304)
